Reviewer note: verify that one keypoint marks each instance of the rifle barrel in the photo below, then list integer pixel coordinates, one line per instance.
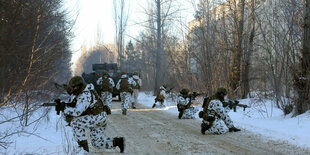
(49, 104)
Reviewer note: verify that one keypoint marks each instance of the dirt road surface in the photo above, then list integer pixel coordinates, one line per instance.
(153, 131)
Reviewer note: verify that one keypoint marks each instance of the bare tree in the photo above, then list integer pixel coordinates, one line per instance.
(248, 54)
(120, 18)
(34, 50)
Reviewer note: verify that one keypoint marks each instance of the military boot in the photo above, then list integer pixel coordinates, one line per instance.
(124, 111)
(120, 142)
(154, 105)
(204, 128)
(133, 105)
(234, 129)
(84, 145)
(180, 115)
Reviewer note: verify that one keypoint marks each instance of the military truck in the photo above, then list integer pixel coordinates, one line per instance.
(98, 69)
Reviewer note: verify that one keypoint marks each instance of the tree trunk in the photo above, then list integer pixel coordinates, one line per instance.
(302, 82)
(237, 52)
(245, 80)
(159, 49)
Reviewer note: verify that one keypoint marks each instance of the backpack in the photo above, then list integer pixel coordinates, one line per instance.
(105, 86)
(137, 86)
(125, 86)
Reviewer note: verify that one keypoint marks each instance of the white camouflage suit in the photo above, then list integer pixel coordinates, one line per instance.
(125, 96)
(222, 120)
(188, 113)
(106, 96)
(94, 124)
(135, 92)
(161, 93)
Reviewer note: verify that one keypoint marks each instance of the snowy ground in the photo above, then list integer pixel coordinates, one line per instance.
(262, 118)
(53, 137)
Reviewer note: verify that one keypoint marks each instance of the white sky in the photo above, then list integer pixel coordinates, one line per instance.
(95, 18)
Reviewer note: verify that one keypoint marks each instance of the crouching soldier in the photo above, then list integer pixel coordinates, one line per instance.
(184, 102)
(89, 114)
(215, 116)
(160, 97)
(124, 85)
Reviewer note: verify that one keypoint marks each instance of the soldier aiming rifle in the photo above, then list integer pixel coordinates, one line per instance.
(184, 103)
(215, 114)
(87, 114)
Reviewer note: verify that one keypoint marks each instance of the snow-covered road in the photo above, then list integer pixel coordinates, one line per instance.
(153, 131)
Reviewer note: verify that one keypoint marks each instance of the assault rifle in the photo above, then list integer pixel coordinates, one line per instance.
(168, 91)
(234, 104)
(58, 105)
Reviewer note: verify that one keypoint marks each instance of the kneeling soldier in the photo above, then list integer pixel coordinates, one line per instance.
(89, 114)
(215, 116)
(184, 105)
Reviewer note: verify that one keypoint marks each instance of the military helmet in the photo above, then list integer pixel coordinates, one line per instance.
(105, 73)
(77, 81)
(77, 84)
(165, 86)
(123, 75)
(221, 91)
(135, 73)
(184, 91)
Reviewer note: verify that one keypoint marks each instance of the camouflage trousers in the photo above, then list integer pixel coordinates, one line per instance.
(95, 125)
(134, 97)
(220, 126)
(159, 104)
(107, 98)
(189, 113)
(125, 99)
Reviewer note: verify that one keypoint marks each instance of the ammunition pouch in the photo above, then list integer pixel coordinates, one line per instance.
(200, 114)
(92, 111)
(107, 89)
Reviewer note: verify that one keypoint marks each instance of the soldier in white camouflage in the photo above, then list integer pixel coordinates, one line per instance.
(186, 111)
(124, 85)
(136, 89)
(107, 85)
(160, 97)
(215, 116)
(89, 114)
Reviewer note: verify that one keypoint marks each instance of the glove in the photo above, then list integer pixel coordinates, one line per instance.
(60, 106)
